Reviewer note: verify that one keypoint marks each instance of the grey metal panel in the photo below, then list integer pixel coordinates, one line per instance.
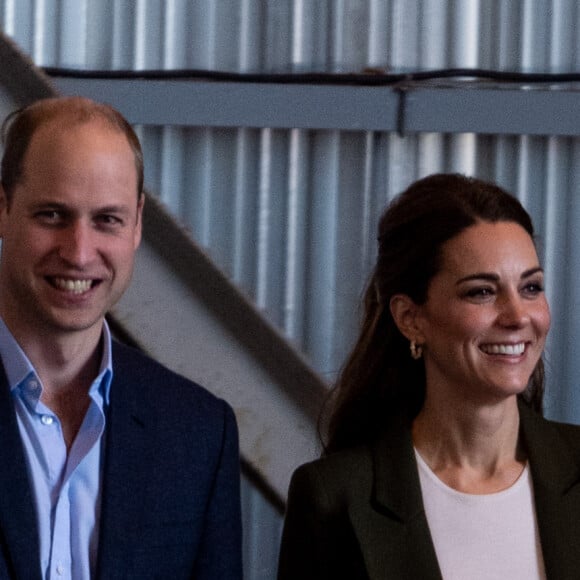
(242, 35)
(311, 172)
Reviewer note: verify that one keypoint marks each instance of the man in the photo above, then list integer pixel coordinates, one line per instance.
(111, 465)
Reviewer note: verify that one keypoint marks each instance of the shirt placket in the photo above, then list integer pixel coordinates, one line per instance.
(61, 563)
(62, 542)
(54, 450)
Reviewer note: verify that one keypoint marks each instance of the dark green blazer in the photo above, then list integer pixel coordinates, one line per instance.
(358, 514)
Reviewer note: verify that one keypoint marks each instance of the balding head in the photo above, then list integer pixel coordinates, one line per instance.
(63, 112)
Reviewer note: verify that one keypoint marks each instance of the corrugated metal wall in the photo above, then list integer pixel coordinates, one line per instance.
(291, 215)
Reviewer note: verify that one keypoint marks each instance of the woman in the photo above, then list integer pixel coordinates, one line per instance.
(438, 463)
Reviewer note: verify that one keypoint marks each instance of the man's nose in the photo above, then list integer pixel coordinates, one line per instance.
(77, 244)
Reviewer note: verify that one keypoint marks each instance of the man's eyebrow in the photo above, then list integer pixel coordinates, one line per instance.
(112, 209)
(47, 203)
(121, 209)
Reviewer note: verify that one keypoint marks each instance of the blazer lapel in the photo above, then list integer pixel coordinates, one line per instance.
(395, 539)
(125, 473)
(399, 543)
(18, 524)
(556, 480)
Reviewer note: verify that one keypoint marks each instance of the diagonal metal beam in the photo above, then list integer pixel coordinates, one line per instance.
(183, 311)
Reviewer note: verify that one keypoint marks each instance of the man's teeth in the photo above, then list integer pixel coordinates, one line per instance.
(75, 286)
(511, 349)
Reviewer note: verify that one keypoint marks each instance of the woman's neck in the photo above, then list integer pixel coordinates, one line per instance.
(471, 449)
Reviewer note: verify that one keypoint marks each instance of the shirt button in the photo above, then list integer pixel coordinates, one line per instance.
(60, 569)
(47, 420)
(33, 385)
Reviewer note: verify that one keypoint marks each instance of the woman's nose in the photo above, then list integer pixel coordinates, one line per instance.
(514, 311)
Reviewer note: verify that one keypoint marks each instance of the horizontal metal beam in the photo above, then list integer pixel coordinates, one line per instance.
(468, 107)
(234, 104)
(510, 111)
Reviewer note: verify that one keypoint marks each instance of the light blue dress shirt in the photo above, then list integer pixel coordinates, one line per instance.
(67, 489)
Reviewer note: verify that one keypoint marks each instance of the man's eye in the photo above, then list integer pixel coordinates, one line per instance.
(49, 216)
(108, 220)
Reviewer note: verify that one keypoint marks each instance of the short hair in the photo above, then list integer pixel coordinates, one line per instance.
(20, 126)
(380, 379)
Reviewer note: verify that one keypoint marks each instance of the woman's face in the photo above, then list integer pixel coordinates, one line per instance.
(485, 320)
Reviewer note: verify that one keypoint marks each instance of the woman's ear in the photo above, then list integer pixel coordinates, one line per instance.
(405, 313)
(3, 208)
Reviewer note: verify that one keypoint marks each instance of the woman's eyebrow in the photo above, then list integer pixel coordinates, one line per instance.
(495, 278)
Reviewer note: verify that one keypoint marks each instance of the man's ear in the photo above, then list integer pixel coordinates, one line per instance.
(139, 224)
(405, 314)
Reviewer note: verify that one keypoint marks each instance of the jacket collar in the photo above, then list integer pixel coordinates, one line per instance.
(406, 551)
(126, 466)
(396, 479)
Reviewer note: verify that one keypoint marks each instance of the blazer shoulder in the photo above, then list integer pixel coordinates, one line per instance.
(537, 429)
(148, 383)
(569, 432)
(553, 449)
(339, 464)
(336, 477)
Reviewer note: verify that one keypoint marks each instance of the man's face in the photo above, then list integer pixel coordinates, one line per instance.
(70, 232)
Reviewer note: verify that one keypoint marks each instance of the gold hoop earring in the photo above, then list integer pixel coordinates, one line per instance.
(416, 350)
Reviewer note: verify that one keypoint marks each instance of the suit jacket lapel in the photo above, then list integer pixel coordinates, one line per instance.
(556, 480)
(18, 524)
(399, 543)
(125, 470)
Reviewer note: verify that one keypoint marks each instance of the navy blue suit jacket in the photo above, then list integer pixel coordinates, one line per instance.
(171, 481)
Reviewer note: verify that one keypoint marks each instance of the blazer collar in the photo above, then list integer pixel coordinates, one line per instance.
(397, 496)
(396, 479)
(126, 463)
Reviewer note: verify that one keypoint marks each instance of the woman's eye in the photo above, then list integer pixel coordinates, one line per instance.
(479, 292)
(534, 288)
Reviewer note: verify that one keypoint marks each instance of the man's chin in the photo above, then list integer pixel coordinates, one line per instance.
(73, 323)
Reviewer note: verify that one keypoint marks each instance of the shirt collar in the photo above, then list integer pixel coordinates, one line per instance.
(18, 367)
